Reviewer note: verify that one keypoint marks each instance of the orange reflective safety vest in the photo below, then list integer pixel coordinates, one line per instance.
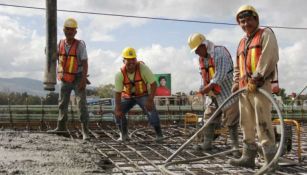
(68, 62)
(138, 83)
(248, 58)
(207, 73)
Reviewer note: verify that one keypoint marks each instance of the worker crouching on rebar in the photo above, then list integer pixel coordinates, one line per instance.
(131, 88)
(216, 70)
(72, 72)
(257, 58)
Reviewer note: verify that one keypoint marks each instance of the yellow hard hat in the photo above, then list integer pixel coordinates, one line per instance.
(195, 40)
(129, 53)
(246, 8)
(71, 23)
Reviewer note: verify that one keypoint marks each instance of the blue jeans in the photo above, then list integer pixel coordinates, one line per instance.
(127, 104)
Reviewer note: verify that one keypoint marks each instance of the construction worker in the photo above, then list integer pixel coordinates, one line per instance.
(257, 58)
(131, 88)
(72, 72)
(217, 72)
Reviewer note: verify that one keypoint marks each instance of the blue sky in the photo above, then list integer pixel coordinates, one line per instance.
(162, 45)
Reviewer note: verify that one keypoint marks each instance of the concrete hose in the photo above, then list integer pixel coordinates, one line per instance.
(263, 169)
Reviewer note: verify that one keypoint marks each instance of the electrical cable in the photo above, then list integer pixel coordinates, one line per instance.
(149, 17)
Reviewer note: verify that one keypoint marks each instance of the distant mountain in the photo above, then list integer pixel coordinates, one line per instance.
(31, 86)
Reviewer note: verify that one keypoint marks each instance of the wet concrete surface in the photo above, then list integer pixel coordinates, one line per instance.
(36, 152)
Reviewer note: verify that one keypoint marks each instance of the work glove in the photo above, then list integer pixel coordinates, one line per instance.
(255, 82)
(251, 86)
(258, 80)
(211, 93)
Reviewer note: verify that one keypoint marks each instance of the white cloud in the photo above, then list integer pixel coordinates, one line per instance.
(96, 36)
(102, 66)
(179, 62)
(292, 67)
(21, 50)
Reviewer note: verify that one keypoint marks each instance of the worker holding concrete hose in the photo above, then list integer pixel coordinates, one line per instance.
(135, 84)
(217, 73)
(257, 58)
(72, 72)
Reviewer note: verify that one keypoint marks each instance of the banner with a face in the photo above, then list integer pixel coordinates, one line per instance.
(164, 84)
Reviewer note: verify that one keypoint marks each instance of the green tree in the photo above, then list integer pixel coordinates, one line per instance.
(106, 91)
(51, 99)
(3, 98)
(91, 92)
(283, 95)
(17, 98)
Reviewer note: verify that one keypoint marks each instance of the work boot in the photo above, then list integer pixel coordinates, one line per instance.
(233, 134)
(61, 129)
(248, 157)
(85, 131)
(123, 135)
(269, 153)
(159, 135)
(208, 137)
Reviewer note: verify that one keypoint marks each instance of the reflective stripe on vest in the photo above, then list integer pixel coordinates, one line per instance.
(241, 65)
(68, 62)
(208, 71)
(138, 83)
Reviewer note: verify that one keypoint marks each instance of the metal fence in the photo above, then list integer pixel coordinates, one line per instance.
(169, 108)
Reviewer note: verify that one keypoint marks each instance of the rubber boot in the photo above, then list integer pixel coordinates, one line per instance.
(208, 137)
(159, 135)
(269, 153)
(61, 129)
(85, 131)
(123, 135)
(248, 157)
(233, 134)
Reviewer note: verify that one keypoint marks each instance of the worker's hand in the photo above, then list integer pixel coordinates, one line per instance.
(258, 80)
(88, 81)
(206, 89)
(211, 93)
(251, 86)
(82, 84)
(235, 87)
(118, 113)
(149, 105)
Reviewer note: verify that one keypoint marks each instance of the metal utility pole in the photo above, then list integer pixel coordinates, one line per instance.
(51, 45)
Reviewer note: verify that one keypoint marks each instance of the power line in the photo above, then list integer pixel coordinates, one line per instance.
(148, 17)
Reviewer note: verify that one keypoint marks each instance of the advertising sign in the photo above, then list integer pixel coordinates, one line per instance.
(164, 84)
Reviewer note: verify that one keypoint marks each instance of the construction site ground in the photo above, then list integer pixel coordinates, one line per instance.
(32, 151)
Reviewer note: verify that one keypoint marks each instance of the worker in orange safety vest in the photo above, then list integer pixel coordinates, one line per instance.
(72, 72)
(135, 84)
(216, 70)
(256, 67)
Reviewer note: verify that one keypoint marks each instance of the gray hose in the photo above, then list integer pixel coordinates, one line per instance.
(282, 140)
(204, 126)
(262, 169)
(165, 170)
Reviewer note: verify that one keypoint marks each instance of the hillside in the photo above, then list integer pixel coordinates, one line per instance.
(31, 86)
